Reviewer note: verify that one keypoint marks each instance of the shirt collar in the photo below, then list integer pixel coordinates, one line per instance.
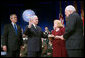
(34, 25)
(13, 24)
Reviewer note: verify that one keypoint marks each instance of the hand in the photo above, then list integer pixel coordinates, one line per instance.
(30, 23)
(22, 47)
(50, 35)
(48, 53)
(5, 48)
(59, 37)
(23, 35)
(20, 54)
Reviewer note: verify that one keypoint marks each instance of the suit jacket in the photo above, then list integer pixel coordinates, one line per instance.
(10, 39)
(74, 32)
(34, 38)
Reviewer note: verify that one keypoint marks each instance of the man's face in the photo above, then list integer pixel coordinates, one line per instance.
(35, 20)
(13, 18)
(67, 13)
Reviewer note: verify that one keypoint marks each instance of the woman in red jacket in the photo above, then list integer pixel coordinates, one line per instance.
(59, 48)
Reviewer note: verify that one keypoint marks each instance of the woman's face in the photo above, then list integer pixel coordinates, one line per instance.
(55, 24)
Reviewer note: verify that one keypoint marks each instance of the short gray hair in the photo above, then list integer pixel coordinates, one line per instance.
(32, 17)
(70, 7)
(12, 15)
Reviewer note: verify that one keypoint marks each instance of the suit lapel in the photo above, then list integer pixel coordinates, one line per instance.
(12, 28)
(37, 28)
(34, 29)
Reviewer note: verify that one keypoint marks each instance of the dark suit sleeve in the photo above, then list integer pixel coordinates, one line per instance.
(70, 27)
(27, 31)
(5, 35)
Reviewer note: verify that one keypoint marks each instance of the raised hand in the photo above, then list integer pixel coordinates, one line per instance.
(30, 23)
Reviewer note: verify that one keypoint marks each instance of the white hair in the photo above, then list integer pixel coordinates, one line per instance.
(70, 7)
(32, 17)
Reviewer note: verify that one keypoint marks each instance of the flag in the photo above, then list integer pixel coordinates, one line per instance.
(82, 16)
(61, 18)
(82, 11)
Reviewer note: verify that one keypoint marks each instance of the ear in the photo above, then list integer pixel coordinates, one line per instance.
(10, 18)
(70, 11)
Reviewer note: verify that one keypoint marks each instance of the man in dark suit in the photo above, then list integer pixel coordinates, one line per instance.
(74, 33)
(34, 34)
(12, 38)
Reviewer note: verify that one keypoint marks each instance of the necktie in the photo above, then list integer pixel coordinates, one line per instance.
(36, 28)
(15, 27)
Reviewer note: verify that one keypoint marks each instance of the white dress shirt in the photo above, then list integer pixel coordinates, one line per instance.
(13, 24)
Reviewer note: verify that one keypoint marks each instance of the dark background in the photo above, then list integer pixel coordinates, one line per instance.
(46, 11)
